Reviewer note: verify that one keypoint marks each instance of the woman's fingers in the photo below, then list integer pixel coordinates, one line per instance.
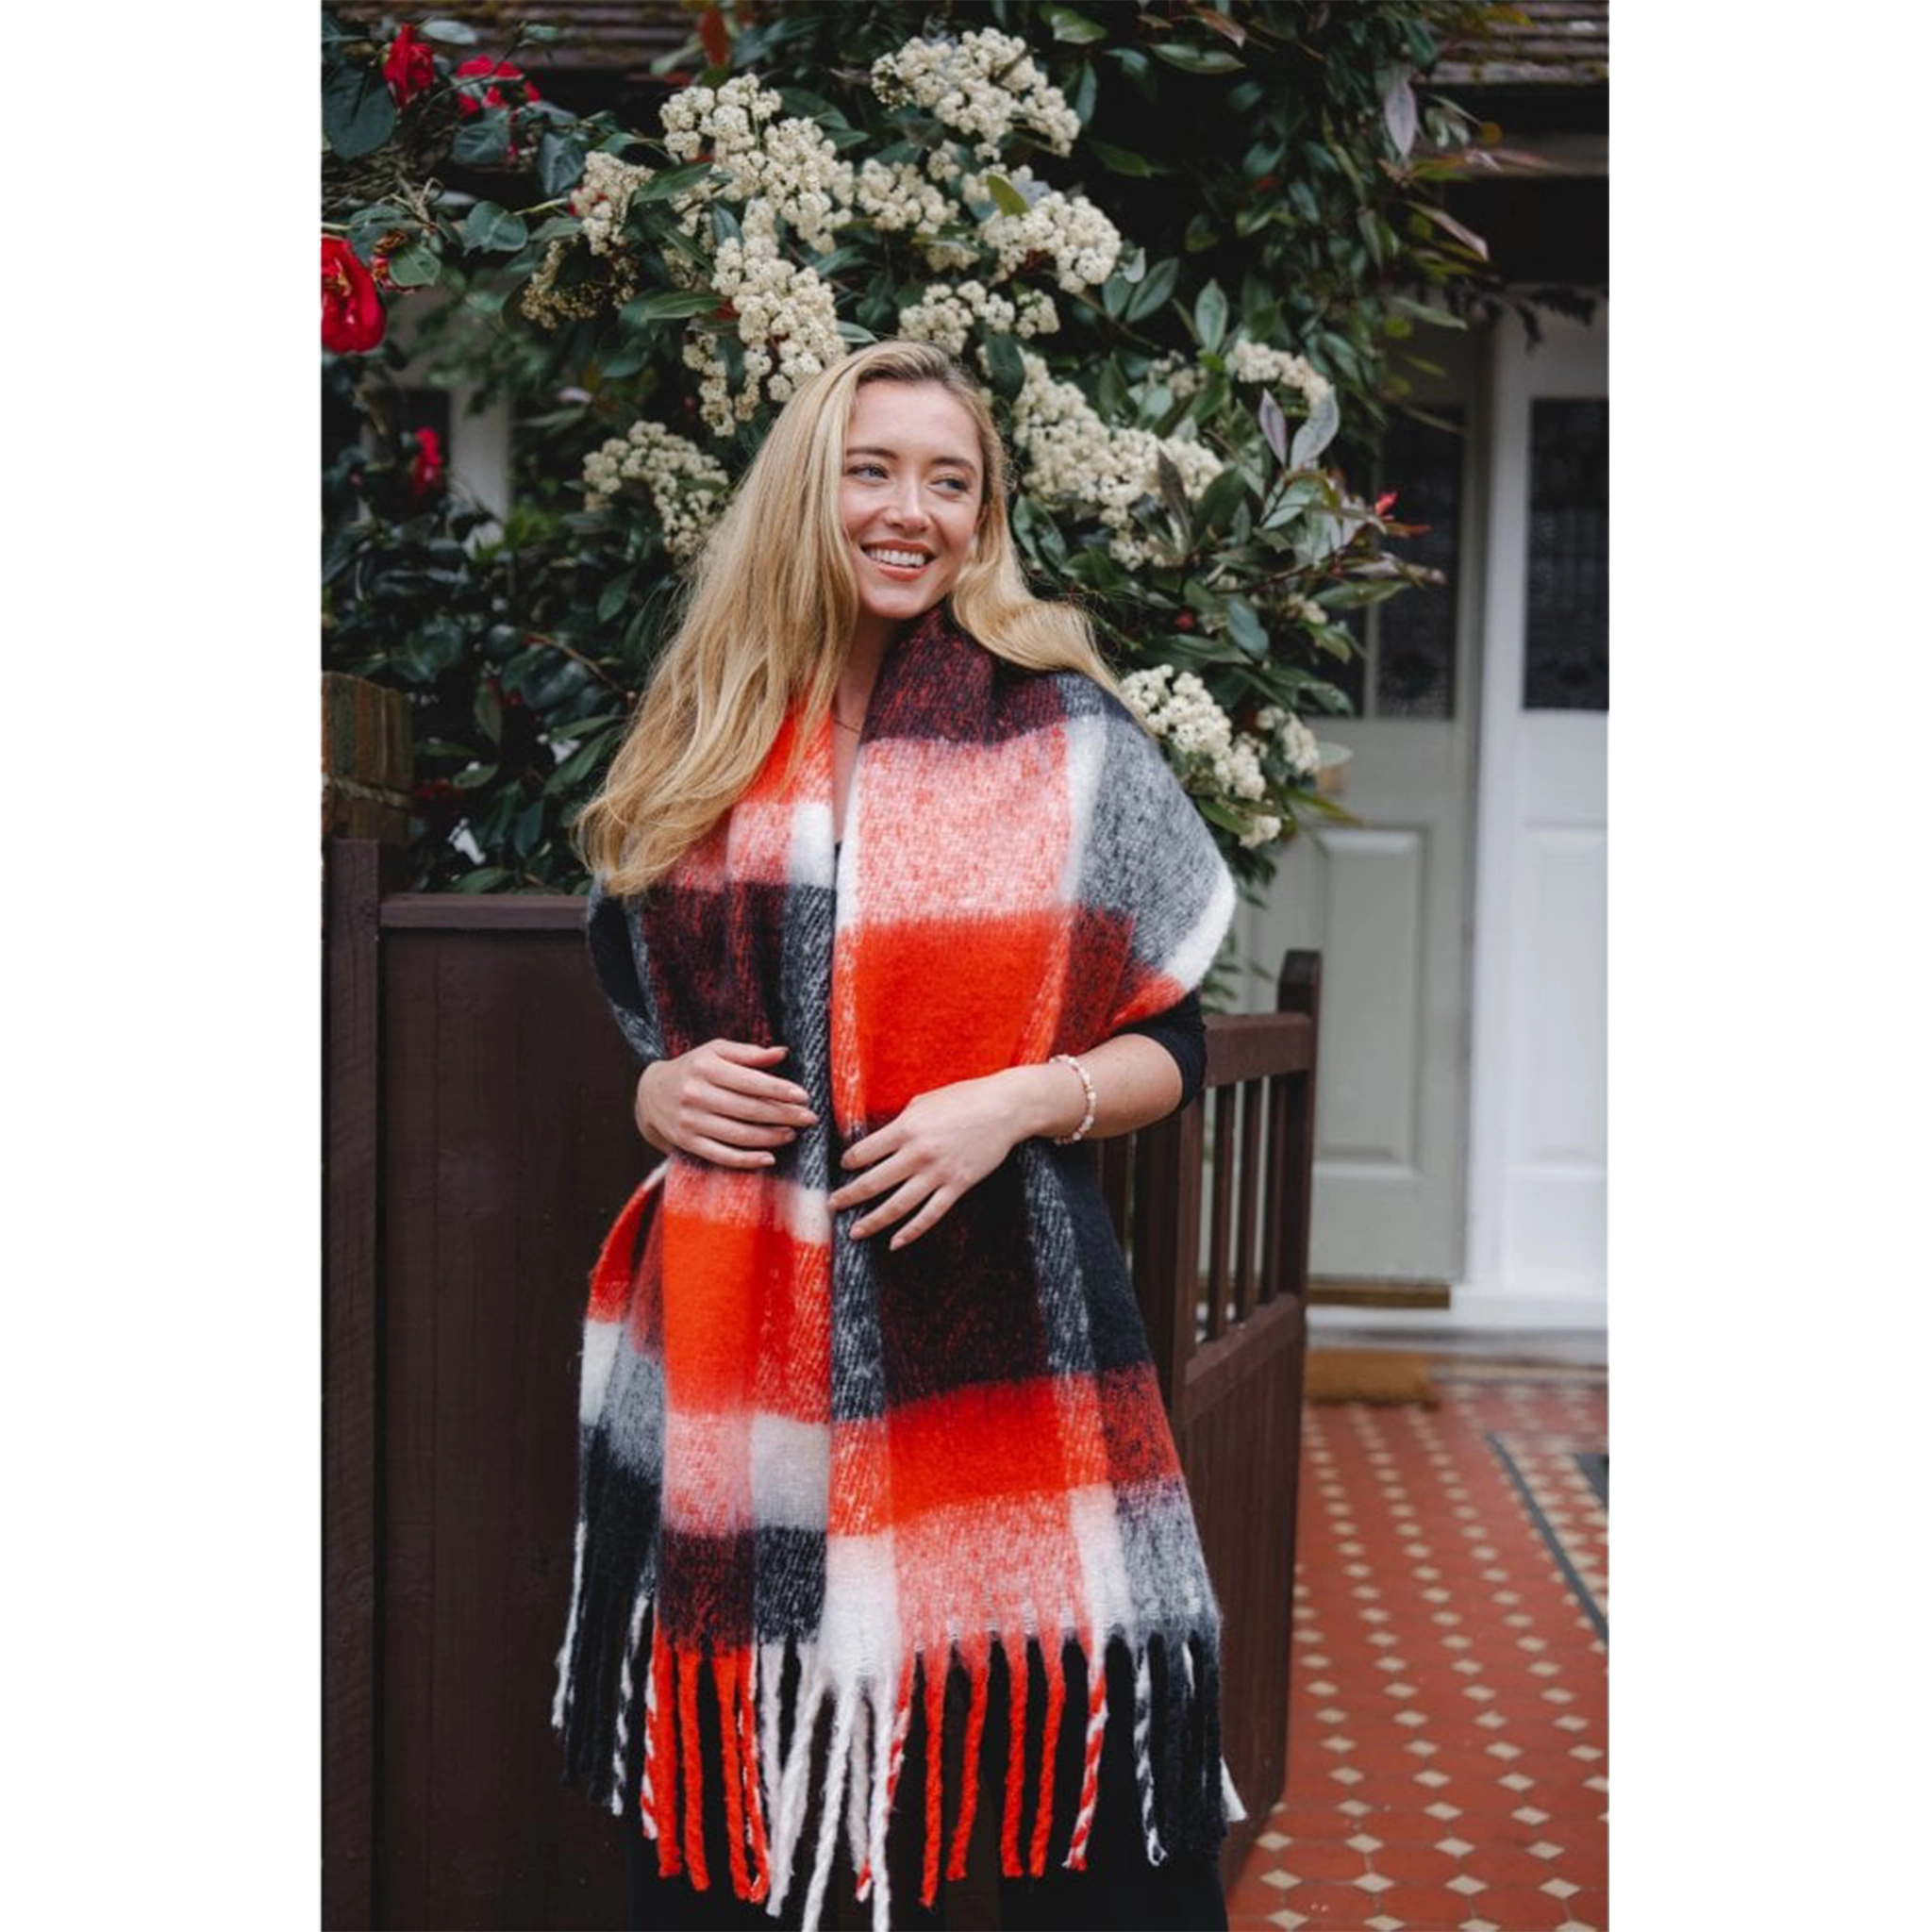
(938, 1204)
(719, 1155)
(895, 1207)
(888, 1173)
(736, 1083)
(727, 1127)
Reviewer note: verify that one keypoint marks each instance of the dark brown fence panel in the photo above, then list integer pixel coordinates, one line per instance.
(479, 1144)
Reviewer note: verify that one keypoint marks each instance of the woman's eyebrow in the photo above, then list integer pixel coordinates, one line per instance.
(869, 449)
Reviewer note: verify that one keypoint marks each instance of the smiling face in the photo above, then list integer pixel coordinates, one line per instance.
(910, 495)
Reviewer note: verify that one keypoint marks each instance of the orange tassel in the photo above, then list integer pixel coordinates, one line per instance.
(692, 1766)
(1017, 1687)
(731, 1767)
(935, 1737)
(663, 1748)
(978, 1676)
(754, 1801)
(1049, 1745)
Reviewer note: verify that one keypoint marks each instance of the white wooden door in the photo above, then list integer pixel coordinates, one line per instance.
(1538, 1151)
(1387, 903)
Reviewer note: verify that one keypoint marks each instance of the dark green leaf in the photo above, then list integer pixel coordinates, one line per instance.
(674, 181)
(1210, 316)
(486, 878)
(1121, 160)
(452, 33)
(725, 224)
(1155, 288)
(484, 141)
(1245, 627)
(1004, 368)
(492, 228)
(1085, 91)
(624, 360)
(1073, 28)
(611, 599)
(358, 115)
(1137, 67)
(1218, 501)
(477, 775)
(803, 105)
(560, 162)
(1315, 435)
(667, 305)
(528, 829)
(1273, 425)
(414, 267)
(1192, 60)
(488, 711)
(1202, 233)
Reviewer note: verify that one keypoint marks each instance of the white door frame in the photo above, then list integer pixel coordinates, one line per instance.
(1571, 360)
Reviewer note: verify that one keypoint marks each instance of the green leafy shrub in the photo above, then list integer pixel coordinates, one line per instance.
(1181, 246)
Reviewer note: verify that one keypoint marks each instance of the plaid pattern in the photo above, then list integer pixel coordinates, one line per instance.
(887, 1467)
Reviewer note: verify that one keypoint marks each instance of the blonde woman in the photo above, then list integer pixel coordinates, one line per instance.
(884, 1552)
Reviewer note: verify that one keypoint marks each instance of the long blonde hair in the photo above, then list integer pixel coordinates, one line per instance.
(769, 615)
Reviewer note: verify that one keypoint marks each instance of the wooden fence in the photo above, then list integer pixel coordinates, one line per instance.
(478, 1141)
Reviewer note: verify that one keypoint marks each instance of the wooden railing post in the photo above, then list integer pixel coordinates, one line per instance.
(1166, 1233)
(357, 871)
(1299, 990)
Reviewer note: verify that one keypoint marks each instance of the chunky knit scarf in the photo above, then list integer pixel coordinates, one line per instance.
(882, 1467)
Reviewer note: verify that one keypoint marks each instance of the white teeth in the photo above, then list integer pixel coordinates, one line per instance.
(904, 559)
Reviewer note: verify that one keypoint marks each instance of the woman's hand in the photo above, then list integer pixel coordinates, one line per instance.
(717, 1103)
(940, 1144)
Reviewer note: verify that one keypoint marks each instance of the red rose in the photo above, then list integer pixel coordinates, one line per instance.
(1184, 620)
(425, 473)
(1384, 504)
(409, 67)
(352, 317)
(483, 67)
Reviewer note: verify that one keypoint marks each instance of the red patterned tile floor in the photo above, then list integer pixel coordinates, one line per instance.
(1447, 1735)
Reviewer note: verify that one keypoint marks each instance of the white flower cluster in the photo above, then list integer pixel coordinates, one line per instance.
(1293, 739)
(983, 85)
(602, 199)
(687, 487)
(1073, 455)
(900, 199)
(1211, 754)
(728, 120)
(790, 164)
(1256, 362)
(945, 315)
(787, 320)
(1065, 231)
(799, 171)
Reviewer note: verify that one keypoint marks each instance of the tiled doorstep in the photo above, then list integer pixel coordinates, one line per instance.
(1447, 1759)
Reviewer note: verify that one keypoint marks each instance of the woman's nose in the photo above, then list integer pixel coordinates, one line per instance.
(906, 506)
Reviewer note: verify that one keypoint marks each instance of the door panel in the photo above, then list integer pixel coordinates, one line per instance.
(1387, 901)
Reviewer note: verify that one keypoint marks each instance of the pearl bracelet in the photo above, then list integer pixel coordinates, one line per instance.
(1067, 1059)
